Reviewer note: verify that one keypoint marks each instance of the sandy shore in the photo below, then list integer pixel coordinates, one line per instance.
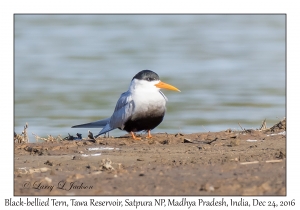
(245, 162)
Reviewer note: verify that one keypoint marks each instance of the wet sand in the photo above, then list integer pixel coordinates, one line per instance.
(245, 162)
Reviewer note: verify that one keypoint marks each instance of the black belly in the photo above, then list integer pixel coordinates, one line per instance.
(143, 123)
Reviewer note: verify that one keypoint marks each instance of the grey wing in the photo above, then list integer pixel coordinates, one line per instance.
(122, 113)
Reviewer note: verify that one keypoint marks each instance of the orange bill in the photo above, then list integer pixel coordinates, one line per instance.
(166, 86)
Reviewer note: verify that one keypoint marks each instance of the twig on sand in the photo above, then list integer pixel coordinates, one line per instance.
(37, 138)
(241, 127)
(273, 161)
(59, 138)
(263, 125)
(49, 139)
(18, 138)
(25, 136)
(279, 126)
(256, 162)
(215, 139)
(90, 135)
(248, 163)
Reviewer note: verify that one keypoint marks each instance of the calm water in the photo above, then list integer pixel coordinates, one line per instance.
(71, 69)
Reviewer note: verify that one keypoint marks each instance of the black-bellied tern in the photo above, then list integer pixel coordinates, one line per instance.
(140, 108)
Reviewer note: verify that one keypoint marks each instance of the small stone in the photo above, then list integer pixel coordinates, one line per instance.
(38, 170)
(151, 141)
(166, 141)
(210, 137)
(74, 177)
(106, 164)
(96, 172)
(48, 180)
(122, 143)
(281, 155)
(48, 163)
(76, 157)
(235, 142)
(233, 135)
(228, 130)
(187, 141)
(207, 187)
(201, 147)
(44, 169)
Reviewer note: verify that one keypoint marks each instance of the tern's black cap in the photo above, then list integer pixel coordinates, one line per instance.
(147, 75)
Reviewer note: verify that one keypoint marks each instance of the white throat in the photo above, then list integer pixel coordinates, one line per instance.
(146, 89)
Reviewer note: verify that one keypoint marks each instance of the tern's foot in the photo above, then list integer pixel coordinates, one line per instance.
(149, 135)
(134, 137)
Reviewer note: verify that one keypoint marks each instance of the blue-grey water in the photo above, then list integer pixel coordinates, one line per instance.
(71, 69)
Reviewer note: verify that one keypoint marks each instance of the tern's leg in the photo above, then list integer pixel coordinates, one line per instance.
(149, 135)
(134, 137)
